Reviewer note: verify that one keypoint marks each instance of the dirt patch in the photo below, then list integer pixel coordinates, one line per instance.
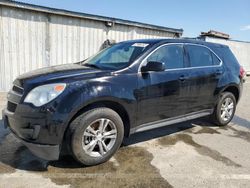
(206, 130)
(6, 169)
(203, 130)
(131, 168)
(245, 135)
(239, 134)
(202, 150)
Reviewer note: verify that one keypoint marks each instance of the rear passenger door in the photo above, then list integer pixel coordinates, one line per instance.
(204, 74)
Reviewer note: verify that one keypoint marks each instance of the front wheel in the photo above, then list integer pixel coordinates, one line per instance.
(225, 109)
(96, 135)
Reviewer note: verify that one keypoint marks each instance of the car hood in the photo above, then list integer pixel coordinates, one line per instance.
(60, 73)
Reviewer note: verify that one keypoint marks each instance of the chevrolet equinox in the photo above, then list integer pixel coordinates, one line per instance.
(90, 106)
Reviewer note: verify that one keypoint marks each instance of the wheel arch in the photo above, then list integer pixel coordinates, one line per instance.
(234, 90)
(112, 104)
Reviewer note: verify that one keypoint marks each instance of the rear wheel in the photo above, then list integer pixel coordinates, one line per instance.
(225, 109)
(96, 135)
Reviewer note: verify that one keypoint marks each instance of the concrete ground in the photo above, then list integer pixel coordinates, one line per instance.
(190, 154)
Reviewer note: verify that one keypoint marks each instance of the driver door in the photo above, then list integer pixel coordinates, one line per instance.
(162, 95)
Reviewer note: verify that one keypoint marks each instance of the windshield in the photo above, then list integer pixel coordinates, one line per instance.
(117, 56)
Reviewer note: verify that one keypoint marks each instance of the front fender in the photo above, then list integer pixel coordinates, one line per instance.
(114, 89)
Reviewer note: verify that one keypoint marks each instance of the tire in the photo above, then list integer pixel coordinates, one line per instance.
(90, 124)
(217, 116)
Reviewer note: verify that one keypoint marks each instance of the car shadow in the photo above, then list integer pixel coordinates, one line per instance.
(156, 133)
(16, 156)
(241, 121)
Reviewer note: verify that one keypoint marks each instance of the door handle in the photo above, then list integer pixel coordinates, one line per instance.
(182, 78)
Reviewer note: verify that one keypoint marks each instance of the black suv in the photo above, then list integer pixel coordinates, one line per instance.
(90, 106)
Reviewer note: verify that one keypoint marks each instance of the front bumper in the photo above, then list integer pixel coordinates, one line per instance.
(44, 151)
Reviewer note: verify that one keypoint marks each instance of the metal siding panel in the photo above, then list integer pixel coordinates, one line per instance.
(76, 41)
(51, 41)
(21, 39)
(84, 39)
(40, 41)
(64, 41)
(6, 44)
(91, 39)
(58, 41)
(26, 39)
(31, 40)
(2, 67)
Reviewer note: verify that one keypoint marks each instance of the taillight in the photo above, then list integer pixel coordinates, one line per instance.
(242, 72)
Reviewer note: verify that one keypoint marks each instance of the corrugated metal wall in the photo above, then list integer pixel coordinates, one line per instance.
(31, 40)
(240, 49)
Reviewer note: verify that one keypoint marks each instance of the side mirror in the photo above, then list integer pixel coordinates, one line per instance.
(153, 66)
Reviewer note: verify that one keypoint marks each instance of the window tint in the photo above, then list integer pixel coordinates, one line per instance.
(171, 55)
(216, 60)
(118, 56)
(199, 56)
(226, 55)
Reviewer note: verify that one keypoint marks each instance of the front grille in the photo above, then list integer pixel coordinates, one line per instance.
(17, 89)
(11, 106)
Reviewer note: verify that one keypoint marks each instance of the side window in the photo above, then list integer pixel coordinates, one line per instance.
(171, 55)
(199, 56)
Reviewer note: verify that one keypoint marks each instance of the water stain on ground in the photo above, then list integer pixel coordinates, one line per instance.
(6, 155)
(131, 168)
(3, 132)
(202, 150)
(245, 135)
(13, 155)
(207, 128)
(203, 130)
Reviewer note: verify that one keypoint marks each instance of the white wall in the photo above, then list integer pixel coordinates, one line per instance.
(31, 40)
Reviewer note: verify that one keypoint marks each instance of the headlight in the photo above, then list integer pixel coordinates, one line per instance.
(43, 94)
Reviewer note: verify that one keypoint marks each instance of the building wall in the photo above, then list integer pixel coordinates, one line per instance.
(240, 49)
(30, 40)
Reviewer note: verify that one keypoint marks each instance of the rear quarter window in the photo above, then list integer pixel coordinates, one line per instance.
(199, 56)
(226, 54)
(216, 60)
(228, 58)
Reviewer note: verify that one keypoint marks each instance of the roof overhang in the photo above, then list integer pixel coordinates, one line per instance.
(63, 12)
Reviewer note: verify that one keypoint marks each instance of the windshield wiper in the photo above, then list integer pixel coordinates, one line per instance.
(91, 65)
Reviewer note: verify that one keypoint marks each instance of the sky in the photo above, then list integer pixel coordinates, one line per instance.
(194, 16)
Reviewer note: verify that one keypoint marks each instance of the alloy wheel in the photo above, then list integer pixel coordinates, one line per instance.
(227, 109)
(99, 137)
